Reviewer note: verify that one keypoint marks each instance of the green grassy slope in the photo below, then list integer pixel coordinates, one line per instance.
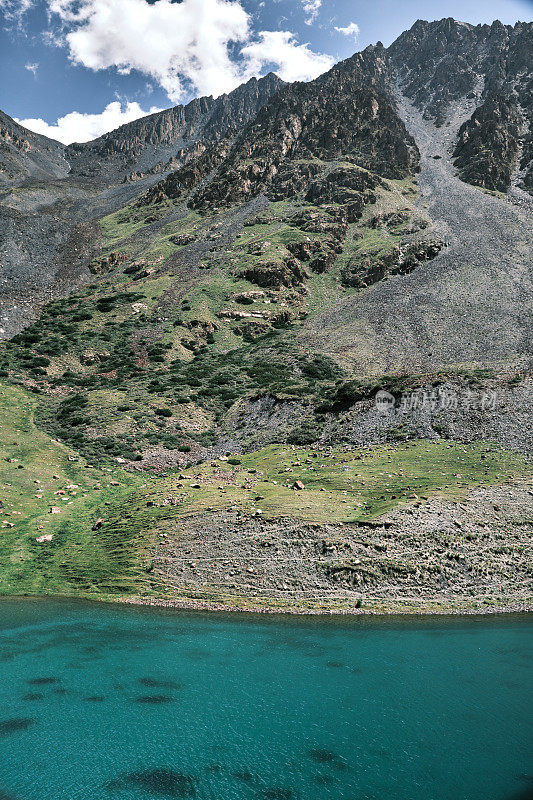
(38, 473)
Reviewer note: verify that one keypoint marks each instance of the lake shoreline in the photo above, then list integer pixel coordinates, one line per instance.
(184, 604)
(373, 607)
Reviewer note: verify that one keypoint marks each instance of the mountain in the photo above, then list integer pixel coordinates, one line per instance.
(441, 64)
(314, 300)
(155, 143)
(25, 155)
(54, 195)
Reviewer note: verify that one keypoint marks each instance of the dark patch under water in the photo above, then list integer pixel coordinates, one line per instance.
(156, 699)
(157, 683)
(244, 775)
(8, 726)
(163, 782)
(33, 696)
(94, 698)
(43, 681)
(278, 794)
(321, 755)
(323, 780)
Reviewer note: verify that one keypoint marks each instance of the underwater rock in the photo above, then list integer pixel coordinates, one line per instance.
(8, 726)
(164, 782)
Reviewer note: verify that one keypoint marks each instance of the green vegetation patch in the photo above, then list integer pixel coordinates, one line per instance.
(49, 493)
(68, 527)
(339, 485)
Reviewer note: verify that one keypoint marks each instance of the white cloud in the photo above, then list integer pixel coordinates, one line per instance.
(311, 7)
(32, 68)
(352, 29)
(171, 42)
(15, 9)
(182, 45)
(197, 47)
(78, 127)
(293, 61)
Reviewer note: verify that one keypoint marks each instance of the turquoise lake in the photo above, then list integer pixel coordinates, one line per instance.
(124, 703)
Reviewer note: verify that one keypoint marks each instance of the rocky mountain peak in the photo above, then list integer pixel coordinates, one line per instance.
(26, 154)
(485, 70)
(439, 62)
(147, 144)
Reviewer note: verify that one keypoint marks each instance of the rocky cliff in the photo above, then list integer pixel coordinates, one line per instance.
(439, 64)
(348, 113)
(27, 155)
(145, 146)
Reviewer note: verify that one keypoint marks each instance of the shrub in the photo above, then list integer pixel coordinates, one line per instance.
(306, 433)
(83, 315)
(75, 421)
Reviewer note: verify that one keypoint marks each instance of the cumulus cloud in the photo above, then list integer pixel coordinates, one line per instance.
(352, 29)
(175, 43)
(311, 7)
(78, 127)
(192, 47)
(191, 44)
(293, 61)
(32, 68)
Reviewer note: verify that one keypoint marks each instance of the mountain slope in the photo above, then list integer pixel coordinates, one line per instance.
(295, 285)
(345, 114)
(24, 154)
(174, 135)
(54, 195)
(468, 306)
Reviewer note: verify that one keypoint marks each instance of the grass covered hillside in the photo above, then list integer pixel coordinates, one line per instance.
(191, 314)
(164, 422)
(195, 412)
(98, 530)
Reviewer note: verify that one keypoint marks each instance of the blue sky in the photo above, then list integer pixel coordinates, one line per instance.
(93, 64)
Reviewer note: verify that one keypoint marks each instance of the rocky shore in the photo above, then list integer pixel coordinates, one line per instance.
(438, 556)
(186, 604)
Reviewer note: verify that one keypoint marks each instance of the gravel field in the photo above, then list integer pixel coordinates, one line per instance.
(471, 305)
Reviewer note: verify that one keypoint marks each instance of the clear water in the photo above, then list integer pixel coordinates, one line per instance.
(111, 703)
